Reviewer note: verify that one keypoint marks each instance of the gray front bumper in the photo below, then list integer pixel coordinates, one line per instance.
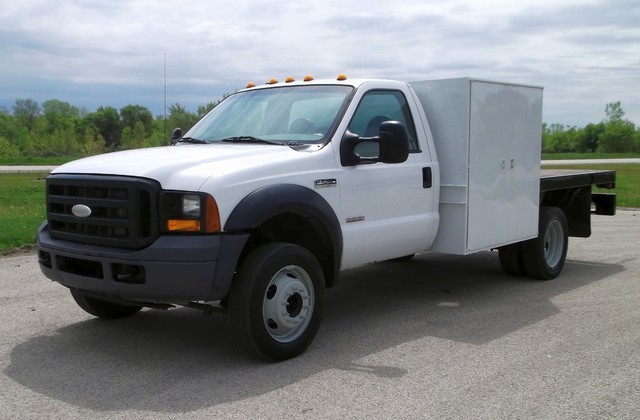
(173, 269)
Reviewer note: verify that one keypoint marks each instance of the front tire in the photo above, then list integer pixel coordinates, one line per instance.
(544, 256)
(276, 301)
(102, 308)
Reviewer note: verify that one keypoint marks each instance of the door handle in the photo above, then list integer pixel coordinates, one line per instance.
(427, 178)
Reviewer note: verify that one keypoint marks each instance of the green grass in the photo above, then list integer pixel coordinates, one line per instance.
(566, 156)
(35, 160)
(22, 208)
(627, 182)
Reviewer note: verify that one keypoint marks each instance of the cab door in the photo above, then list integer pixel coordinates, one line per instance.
(387, 210)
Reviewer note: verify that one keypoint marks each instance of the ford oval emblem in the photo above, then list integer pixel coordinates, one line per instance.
(80, 210)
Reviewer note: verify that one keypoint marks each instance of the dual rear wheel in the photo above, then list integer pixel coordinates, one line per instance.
(542, 257)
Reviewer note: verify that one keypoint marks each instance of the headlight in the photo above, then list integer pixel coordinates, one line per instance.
(191, 205)
(189, 212)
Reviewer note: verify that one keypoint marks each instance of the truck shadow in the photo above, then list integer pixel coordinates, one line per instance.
(184, 361)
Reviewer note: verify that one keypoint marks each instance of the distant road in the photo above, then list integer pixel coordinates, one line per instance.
(16, 169)
(590, 161)
(23, 169)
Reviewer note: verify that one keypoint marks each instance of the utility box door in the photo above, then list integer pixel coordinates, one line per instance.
(487, 137)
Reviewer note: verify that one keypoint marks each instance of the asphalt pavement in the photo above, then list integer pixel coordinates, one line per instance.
(438, 337)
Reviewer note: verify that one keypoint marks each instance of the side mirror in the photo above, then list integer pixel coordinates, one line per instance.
(393, 143)
(177, 134)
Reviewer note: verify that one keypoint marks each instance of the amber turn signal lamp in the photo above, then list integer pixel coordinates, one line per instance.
(213, 216)
(174, 225)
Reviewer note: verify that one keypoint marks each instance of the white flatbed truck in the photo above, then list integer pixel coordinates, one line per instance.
(256, 210)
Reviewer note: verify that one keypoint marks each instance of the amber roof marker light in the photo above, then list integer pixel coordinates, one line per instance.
(290, 79)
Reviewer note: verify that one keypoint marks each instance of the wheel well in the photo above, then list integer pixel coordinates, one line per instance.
(297, 229)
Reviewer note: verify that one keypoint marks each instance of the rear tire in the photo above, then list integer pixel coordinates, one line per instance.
(276, 301)
(101, 308)
(544, 256)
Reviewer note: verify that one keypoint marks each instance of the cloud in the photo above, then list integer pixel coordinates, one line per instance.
(96, 52)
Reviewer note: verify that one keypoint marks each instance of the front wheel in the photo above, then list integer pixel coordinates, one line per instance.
(544, 256)
(276, 301)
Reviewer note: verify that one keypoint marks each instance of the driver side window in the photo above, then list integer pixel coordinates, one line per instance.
(376, 107)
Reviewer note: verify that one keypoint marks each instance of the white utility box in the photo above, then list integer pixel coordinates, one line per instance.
(487, 137)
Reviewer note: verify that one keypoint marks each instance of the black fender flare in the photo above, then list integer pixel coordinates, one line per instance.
(273, 200)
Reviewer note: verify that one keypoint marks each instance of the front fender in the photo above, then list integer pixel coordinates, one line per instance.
(268, 202)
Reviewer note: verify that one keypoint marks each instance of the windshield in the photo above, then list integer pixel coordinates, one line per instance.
(288, 115)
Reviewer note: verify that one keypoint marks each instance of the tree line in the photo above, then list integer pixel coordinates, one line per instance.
(57, 128)
(613, 134)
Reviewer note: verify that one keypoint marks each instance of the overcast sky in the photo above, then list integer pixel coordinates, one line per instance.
(112, 53)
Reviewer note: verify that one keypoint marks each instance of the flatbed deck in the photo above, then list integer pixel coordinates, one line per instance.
(558, 179)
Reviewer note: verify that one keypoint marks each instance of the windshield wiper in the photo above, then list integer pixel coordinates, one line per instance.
(191, 140)
(249, 139)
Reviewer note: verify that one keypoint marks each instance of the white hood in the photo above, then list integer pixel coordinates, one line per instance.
(178, 167)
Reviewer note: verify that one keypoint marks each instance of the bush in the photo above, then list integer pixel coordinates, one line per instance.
(618, 136)
(7, 149)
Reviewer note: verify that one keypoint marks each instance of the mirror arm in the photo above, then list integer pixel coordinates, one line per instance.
(348, 156)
